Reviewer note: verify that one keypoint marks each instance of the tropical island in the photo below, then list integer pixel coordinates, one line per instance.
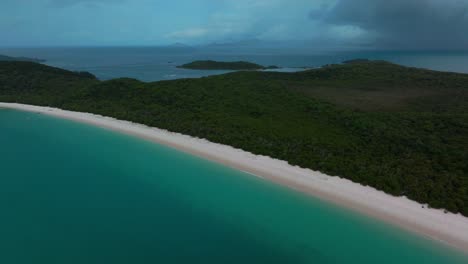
(218, 65)
(356, 61)
(401, 130)
(8, 58)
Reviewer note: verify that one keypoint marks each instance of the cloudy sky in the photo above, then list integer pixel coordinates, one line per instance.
(412, 24)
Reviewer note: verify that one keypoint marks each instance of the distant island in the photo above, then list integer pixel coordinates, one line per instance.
(219, 65)
(8, 58)
(356, 61)
(179, 45)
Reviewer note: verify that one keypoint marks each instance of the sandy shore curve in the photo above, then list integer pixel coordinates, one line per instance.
(448, 228)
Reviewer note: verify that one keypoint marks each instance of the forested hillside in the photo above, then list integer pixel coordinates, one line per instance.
(402, 130)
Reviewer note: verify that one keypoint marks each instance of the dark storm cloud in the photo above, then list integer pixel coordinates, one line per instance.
(320, 11)
(414, 24)
(406, 23)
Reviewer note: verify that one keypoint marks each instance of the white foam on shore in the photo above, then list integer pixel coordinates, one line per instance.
(445, 227)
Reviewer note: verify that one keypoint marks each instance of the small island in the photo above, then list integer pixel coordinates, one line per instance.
(218, 65)
(356, 61)
(8, 58)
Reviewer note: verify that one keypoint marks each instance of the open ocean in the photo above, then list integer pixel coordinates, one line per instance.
(73, 193)
(159, 63)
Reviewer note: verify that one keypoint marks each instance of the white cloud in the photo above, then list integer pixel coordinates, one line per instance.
(347, 31)
(259, 19)
(188, 33)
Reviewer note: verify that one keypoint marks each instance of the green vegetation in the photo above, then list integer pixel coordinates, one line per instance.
(401, 130)
(217, 65)
(8, 58)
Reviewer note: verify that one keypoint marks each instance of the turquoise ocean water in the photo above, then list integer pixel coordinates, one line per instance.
(74, 193)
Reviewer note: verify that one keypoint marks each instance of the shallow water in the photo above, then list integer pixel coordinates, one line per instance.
(74, 193)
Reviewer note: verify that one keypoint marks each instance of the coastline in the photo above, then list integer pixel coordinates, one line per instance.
(448, 228)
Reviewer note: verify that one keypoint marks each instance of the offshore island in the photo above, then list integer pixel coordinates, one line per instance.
(396, 136)
(219, 65)
(9, 58)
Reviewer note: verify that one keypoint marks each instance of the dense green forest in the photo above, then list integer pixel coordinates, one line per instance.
(219, 65)
(402, 130)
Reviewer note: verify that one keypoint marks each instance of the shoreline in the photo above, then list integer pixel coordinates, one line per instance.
(451, 229)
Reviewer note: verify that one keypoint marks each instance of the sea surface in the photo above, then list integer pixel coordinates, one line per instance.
(159, 63)
(74, 193)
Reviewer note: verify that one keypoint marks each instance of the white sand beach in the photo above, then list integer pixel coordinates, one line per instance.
(449, 228)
